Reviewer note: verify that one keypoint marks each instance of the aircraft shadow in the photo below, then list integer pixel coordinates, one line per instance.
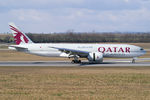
(87, 63)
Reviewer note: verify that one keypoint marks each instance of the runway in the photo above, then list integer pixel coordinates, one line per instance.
(107, 63)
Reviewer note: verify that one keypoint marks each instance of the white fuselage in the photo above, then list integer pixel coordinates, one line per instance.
(108, 50)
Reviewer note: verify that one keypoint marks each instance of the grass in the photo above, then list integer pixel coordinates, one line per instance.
(82, 83)
(89, 83)
(8, 55)
(53, 83)
(143, 45)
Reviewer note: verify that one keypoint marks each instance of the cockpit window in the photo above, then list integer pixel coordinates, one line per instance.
(141, 49)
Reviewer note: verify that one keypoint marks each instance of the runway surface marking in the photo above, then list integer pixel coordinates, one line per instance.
(110, 62)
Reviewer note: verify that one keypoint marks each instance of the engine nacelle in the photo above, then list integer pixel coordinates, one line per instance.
(95, 57)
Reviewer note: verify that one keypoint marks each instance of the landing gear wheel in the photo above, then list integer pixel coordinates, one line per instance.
(133, 60)
(76, 61)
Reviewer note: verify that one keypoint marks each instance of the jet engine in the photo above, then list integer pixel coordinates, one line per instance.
(95, 57)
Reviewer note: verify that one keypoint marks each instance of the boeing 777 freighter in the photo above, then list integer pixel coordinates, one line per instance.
(93, 52)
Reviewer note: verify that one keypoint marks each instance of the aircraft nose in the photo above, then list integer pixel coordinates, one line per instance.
(143, 52)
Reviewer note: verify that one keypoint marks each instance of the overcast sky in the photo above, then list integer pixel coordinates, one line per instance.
(78, 15)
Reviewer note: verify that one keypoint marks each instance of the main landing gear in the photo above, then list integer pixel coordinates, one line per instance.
(76, 60)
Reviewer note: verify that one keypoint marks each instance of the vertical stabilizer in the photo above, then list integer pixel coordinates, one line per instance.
(20, 37)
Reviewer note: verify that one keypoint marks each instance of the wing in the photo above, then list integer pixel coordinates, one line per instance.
(72, 52)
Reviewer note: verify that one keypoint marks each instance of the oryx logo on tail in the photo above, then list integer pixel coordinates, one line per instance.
(20, 38)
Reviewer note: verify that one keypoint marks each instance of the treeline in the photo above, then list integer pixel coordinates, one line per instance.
(82, 37)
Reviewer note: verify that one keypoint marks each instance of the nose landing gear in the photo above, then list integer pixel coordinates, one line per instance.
(133, 60)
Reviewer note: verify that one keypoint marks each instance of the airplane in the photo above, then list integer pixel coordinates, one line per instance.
(93, 52)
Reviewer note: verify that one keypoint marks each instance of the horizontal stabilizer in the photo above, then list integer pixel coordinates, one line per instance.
(18, 48)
